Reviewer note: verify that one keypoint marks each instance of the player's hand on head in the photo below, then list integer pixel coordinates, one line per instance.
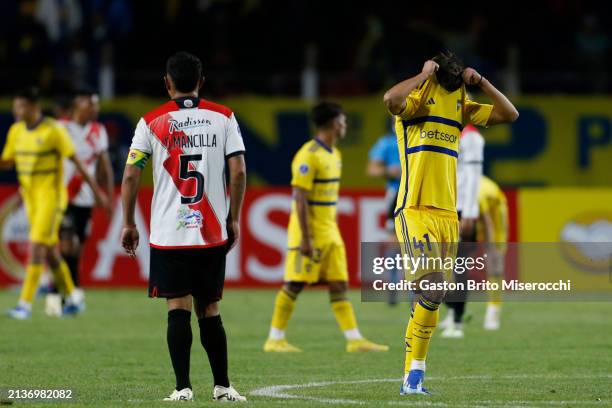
(233, 234)
(471, 76)
(430, 67)
(129, 239)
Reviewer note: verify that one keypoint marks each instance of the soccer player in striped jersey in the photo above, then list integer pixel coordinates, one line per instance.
(37, 146)
(91, 141)
(193, 223)
(315, 250)
(431, 109)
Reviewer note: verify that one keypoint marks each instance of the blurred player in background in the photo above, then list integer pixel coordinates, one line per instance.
(492, 229)
(91, 142)
(36, 146)
(190, 140)
(469, 172)
(315, 251)
(431, 109)
(383, 162)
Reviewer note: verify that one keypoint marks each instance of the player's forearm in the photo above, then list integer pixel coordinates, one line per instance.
(302, 213)
(237, 185)
(86, 176)
(488, 228)
(395, 98)
(129, 192)
(375, 169)
(503, 110)
(106, 176)
(237, 190)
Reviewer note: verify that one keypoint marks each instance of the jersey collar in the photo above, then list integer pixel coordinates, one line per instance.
(187, 102)
(323, 145)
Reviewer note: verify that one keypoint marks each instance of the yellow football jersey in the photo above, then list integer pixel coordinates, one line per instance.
(428, 132)
(492, 201)
(316, 168)
(38, 155)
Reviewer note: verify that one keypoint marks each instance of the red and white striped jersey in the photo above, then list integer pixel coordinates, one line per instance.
(188, 140)
(90, 141)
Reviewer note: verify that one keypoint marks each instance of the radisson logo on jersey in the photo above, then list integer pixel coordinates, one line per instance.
(177, 126)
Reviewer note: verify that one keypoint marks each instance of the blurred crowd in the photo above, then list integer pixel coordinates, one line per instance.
(279, 47)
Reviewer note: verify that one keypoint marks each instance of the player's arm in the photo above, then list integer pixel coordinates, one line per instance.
(7, 160)
(237, 187)
(377, 168)
(489, 231)
(503, 110)
(395, 98)
(101, 199)
(104, 173)
(300, 195)
(129, 192)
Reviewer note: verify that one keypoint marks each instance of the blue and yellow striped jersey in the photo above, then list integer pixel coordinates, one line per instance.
(316, 168)
(428, 132)
(38, 154)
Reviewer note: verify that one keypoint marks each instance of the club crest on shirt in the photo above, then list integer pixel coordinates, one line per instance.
(304, 168)
(188, 218)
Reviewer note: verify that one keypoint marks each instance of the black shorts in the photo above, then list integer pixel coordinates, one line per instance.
(180, 272)
(75, 221)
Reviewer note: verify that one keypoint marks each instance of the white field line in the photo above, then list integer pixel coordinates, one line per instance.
(282, 391)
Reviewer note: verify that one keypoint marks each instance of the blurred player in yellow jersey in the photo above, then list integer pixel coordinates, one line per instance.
(315, 250)
(36, 146)
(431, 109)
(492, 229)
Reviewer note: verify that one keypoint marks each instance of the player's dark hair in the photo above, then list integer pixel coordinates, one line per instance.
(324, 112)
(31, 94)
(450, 71)
(185, 69)
(83, 91)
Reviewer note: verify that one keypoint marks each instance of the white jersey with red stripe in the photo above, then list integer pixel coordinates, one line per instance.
(469, 171)
(90, 141)
(189, 140)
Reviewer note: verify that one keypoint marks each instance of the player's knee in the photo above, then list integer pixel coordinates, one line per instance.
(294, 288)
(337, 289)
(38, 253)
(431, 291)
(184, 303)
(436, 296)
(69, 244)
(211, 310)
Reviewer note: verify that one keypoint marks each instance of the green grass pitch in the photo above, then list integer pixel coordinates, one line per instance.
(547, 354)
